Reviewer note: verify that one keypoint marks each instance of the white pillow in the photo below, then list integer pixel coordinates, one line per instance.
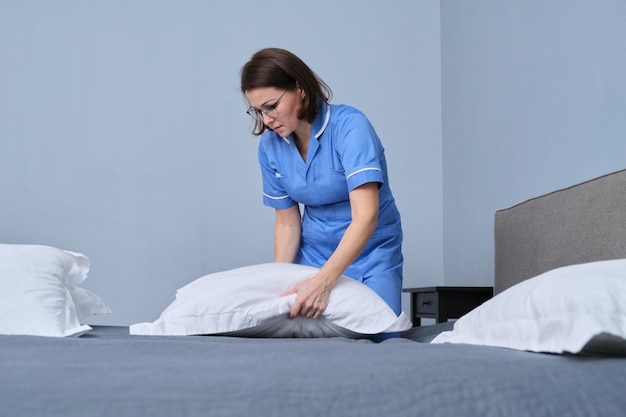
(568, 309)
(40, 293)
(245, 302)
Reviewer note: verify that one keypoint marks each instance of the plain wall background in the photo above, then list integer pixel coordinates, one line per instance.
(533, 100)
(123, 134)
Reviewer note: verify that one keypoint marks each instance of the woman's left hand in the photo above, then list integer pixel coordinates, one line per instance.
(312, 298)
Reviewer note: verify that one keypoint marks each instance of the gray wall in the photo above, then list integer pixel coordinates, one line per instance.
(123, 133)
(533, 99)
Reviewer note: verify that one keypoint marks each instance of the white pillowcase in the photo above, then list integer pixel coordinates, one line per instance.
(571, 309)
(40, 293)
(245, 302)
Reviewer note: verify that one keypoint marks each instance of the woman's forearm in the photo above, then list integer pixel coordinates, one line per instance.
(364, 202)
(287, 234)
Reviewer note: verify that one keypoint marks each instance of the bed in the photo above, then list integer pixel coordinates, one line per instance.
(425, 372)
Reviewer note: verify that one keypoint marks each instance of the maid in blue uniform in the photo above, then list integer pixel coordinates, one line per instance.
(327, 159)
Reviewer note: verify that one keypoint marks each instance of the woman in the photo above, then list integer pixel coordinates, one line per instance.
(329, 159)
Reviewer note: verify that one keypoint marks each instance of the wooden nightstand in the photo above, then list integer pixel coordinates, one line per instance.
(443, 303)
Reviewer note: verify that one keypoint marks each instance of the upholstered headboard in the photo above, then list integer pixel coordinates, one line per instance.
(583, 223)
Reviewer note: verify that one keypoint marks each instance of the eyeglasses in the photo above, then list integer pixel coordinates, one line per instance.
(269, 110)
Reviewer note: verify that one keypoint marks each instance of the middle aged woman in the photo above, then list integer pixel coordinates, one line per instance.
(329, 159)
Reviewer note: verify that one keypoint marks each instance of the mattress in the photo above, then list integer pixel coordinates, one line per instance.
(111, 373)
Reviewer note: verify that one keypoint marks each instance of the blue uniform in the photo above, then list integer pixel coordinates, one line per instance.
(344, 153)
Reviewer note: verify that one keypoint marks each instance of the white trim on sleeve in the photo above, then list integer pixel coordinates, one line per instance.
(361, 170)
(275, 198)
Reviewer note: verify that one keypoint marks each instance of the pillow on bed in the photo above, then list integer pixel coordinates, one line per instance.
(576, 309)
(40, 293)
(245, 302)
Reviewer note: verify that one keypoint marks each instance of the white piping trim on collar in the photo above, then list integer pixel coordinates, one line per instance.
(319, 133)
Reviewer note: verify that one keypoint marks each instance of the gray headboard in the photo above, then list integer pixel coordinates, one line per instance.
(583, 223)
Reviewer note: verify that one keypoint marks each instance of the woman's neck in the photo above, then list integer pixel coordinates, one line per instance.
(301, 137)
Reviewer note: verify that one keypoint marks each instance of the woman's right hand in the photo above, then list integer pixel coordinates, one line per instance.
(312, 297)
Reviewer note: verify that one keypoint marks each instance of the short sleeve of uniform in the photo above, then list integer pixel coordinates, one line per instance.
(274, 195)
(360, 150)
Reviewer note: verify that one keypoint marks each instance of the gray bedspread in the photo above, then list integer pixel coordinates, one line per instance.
(109, 373)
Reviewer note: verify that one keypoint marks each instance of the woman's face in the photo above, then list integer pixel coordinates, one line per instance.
(279, 108)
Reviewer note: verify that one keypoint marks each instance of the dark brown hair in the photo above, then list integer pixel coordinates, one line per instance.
(279, 68)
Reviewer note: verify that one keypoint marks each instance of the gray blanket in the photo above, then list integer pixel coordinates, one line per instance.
(109, 373)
